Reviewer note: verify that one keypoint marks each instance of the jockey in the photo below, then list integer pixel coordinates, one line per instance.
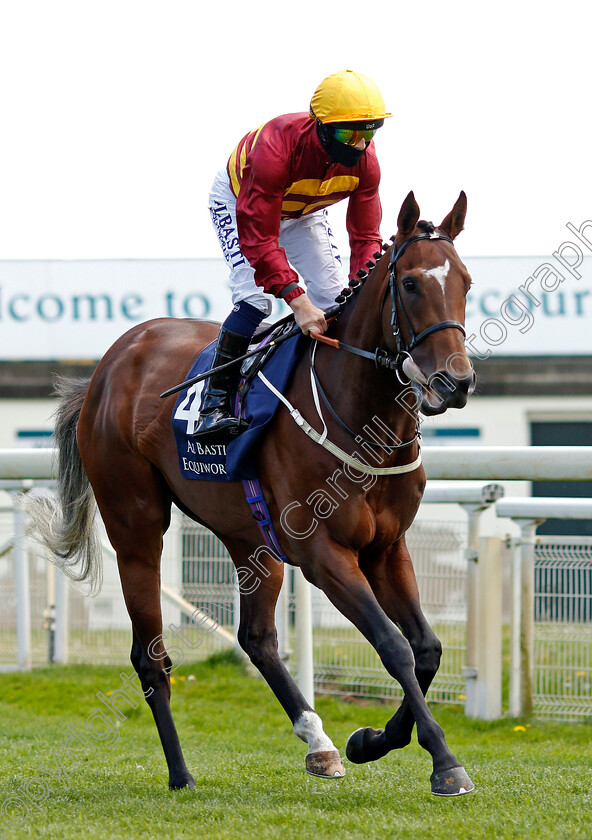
(269, 210)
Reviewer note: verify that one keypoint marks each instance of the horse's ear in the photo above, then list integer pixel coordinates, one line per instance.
(455, 220)
(408, 216)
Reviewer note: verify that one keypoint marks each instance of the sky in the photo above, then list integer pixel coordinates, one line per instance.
(115, 116)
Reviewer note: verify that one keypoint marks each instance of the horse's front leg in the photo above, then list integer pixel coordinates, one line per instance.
(335, 570)
(392, 578)
(261, 584)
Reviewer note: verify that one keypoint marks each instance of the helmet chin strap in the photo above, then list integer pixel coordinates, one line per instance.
(338, 152)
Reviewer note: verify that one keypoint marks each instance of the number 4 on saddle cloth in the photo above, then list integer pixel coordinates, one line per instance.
(234, 460)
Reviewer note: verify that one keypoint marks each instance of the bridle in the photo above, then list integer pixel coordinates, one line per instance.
(404, 348)
(381, 357)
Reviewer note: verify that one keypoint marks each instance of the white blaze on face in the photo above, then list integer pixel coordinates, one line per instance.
(440, 273)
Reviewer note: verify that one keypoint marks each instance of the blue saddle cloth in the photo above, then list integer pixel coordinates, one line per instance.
(234, 460)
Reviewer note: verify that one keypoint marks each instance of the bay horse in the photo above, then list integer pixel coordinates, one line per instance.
(339, 515)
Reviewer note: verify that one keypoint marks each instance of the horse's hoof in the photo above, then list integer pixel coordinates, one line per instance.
(185, 781)
(326, 764)
(452, 782)
(366, 744)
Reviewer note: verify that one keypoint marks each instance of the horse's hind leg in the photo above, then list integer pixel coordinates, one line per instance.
(141, 586)
(136, 512)
(257, 636)
(392, 579)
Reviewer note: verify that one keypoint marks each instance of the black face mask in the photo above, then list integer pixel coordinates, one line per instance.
(338, 152)
(344, 154)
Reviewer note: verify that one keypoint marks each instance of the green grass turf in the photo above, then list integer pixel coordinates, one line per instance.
(535, 782)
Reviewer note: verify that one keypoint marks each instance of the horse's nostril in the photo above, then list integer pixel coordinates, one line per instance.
(452, 391)
(442, 383)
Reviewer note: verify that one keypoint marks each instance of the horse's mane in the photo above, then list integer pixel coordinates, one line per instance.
(426, 227)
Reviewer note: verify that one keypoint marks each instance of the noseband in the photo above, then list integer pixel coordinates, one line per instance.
(399, 306)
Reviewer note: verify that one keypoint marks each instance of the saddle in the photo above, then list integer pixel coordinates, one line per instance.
(268, 338)
(278, 350)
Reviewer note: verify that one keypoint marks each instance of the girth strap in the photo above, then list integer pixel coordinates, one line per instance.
(260, 511)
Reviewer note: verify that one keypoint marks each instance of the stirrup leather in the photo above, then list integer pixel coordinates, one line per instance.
(216, 420)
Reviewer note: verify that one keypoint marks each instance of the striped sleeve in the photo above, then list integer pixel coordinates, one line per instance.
(238, 159)
(364, 214)
(263, 178)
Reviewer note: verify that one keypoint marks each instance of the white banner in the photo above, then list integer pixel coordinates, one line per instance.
(77, 309)
(529, 306)
(59, 310)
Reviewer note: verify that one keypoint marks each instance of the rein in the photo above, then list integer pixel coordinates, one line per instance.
(385, 447)
(380, 357)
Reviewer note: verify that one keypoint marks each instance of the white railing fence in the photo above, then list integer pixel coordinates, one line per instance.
(461, 575)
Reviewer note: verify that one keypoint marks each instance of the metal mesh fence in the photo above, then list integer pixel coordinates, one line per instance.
(99, 628)
(345, 663)
(563, 628)
(197, 568)
(37, 564)
(207, 573)
(8, 652)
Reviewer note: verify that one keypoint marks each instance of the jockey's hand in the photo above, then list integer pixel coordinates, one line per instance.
(308, 316)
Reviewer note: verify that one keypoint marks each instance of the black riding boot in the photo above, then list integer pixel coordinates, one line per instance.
(216, 420)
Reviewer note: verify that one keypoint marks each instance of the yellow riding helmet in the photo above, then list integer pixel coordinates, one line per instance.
(347, 97)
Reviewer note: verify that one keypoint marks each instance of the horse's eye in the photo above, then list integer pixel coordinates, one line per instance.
(408, 284)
